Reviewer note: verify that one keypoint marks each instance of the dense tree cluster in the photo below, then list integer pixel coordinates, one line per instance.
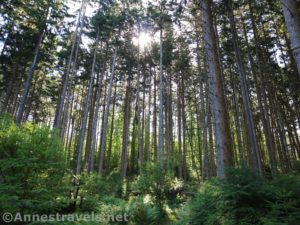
(193, 87)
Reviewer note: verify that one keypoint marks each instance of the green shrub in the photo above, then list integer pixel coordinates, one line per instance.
(297, 167)
(205, 208)
(284, 204)
(110, 207)
(141, 213)
(156, 182)
(32, 168)
(245, 198)
(95, 189)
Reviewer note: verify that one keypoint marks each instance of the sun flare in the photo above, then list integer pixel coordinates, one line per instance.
(143, 39)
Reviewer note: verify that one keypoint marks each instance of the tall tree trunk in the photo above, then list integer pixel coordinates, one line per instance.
(184, 129)
(102, 120)
(28, 81)
(133, 141)
(179, 129)
(212, 165)
(109, 151)
(76, 38)
(70, 89)
(205, 109)
(126, 121)
(155, 149)
(139, 125)
(191, 134)
(237, 121)
(170, 124)
(90, 124)
(161, 105)
(261, 95)
(291, 11)
(91, 160)
(199, 141)
(87, 108)
(216, 89)
(166, 118)
(147, 136)
(106, 114)
(254, 150)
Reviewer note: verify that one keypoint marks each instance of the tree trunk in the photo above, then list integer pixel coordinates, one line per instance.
(205, 110)
(155, 149)
(133, 139)
(28, 81)
(87, 108)
(216, 89)
(91, 160)
(184, 129)
(261, 95)
(291, 12)
(147, 136)
(108, 165)
(237, 121)
(179, 120)
(60, 105)
(212, 165)
(254, 150)
(161, 105)
(106, 114)
(126, 120)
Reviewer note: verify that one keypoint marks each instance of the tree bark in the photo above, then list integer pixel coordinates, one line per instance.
(28, 81)
(87, 108)
(155, 149)
(91, 161)
(109, 152)
(291, 12)
(261, 95)
(254, 150)
(126, 120)
(59, 107)
(161, 105)
(106, 114)
(179, 129)
(216, 89)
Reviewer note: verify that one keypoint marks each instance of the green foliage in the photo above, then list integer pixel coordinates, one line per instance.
(244, 194)
(297, 166)
(284, 204)
(110, 207)
(32, 168)
(156, 182)
(141, 213)
(204, 208)
(245, 198)
(96, 189)
(107, 212)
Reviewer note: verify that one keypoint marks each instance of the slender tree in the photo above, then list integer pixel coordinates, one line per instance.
(292, 19)
(217, 98)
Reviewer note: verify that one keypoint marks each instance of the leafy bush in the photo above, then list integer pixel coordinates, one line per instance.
(156, 182)
(245, 198)
(284, 204)
(205, 207)
(297, 166)
(95, 189)
(107, 212)
(32, 168)
(141, 213)
(110, 207)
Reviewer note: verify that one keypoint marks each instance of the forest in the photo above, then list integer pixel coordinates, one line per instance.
(150, 112)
